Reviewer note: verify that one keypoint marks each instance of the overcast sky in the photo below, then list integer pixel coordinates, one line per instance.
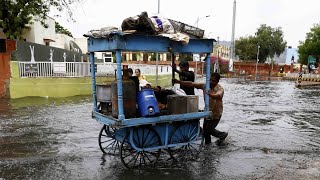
(296, 17)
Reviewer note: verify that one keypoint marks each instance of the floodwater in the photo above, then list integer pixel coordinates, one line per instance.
(274, 133)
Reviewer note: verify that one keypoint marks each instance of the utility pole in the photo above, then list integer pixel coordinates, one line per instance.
(157, 54)
(257, 61)
(232, 50)
(216, 64)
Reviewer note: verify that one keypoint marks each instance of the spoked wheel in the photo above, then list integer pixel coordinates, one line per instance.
(142, 137)
(107, 141)
(186, 133)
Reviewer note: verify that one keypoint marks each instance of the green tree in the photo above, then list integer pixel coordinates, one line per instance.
(270, 40)
(16, 14)
(311, 45)
(62, 30)
(246, 48)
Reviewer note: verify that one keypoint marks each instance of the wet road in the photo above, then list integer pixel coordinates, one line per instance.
(274, 133)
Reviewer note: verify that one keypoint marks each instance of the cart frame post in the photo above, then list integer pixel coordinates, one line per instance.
(206, 107)
(121, 115)
(93, 77)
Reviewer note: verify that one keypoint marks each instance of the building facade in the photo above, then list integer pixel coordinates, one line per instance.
(290, 55)
(222, 50)
(46, 35)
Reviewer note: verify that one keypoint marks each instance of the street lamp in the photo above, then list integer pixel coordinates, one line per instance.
(199, 18)
(257, 61)
(197, 23)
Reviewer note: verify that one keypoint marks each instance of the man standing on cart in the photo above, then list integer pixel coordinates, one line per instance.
(215, 105)
(185, 75)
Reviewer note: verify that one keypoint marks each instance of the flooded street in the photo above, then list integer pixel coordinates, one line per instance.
(274, 133)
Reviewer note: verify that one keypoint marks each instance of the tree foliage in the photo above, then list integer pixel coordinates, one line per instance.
(311, 45)
(270, 41)
(16, 14)
(246, 48)
(62, 30)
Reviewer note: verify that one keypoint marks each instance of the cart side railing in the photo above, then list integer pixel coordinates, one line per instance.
(148, 120)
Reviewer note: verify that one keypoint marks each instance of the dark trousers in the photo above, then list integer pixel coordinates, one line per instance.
(209, 128)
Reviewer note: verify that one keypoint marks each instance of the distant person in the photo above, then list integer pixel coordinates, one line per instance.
(185, 75)
(312, 69)
(142, 79)
(309, 68)
(134, 79)
(215, 105)
(139, 75)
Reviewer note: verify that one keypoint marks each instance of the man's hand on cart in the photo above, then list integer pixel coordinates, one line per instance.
(174, 81)
(174, 67)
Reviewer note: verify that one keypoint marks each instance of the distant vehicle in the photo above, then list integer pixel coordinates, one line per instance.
(313, 69)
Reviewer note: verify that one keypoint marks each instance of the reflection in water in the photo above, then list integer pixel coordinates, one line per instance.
(271, 125)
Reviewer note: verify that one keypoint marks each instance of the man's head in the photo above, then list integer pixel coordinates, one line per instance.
(214, 79)
(130, 72)
(184, 65)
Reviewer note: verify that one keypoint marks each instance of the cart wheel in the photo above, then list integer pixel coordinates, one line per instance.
(107, 141)
(186, 133)
(143, 137)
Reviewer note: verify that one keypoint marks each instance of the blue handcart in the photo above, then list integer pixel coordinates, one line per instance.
(139, 141)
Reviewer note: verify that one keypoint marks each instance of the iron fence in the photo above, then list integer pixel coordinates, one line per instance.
(81, 69)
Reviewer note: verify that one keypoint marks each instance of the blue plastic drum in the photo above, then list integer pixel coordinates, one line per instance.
(147, 103)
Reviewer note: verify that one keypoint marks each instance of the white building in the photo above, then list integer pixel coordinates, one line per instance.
(37, 33)
(83, 44)
(46, 35)
(62, 41)
(287, 56)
